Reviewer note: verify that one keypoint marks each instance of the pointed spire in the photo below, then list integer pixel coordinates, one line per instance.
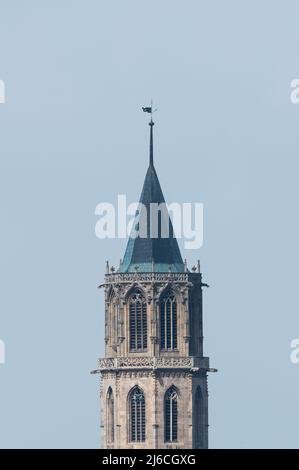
(150, 253)
(151, 151)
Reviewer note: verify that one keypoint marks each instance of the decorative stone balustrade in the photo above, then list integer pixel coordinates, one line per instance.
(109, 363)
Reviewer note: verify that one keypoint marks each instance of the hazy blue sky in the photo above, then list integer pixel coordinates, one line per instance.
(72, 134)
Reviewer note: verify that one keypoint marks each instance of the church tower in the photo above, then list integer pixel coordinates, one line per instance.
(154, 391)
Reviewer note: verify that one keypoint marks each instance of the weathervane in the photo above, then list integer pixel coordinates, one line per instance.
(150, 110)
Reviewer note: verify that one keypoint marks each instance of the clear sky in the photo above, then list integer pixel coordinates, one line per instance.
(72, 134)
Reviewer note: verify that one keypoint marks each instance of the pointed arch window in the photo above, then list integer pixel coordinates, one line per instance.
(137, 415)
(168, 325)
(171, 415)
(110, 416)
(138, 322)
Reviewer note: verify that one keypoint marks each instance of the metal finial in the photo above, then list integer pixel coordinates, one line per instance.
(150, 110)
(185, 265)
(151, 150)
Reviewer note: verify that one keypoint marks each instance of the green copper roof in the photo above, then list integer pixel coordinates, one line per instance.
(149, 254)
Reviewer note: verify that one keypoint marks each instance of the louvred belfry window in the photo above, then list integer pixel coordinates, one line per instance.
(168, 323)
(138, 322)
(137, 415)
(171, 415)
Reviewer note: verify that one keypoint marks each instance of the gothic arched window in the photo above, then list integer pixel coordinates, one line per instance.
(110, 416)
(168, 323)
(137, 415)
(138, 322)
(198, 420)
(171, 415)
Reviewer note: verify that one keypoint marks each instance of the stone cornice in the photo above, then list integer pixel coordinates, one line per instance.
(153, 362)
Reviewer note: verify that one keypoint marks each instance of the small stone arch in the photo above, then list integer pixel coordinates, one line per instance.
(134, 288)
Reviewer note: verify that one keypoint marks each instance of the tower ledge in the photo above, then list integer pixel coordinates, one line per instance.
(145, 362)
(151, 276)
